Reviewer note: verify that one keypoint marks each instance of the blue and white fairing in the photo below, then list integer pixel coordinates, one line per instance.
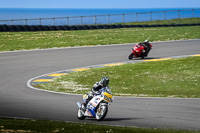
(105, 95)
(91, 106)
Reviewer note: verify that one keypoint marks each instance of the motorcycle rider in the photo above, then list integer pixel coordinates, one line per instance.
(147, 47)
(97, 86)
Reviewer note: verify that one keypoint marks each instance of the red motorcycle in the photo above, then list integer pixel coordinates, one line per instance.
(139, 50)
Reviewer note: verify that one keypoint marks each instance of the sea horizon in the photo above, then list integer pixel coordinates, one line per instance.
(45, 13)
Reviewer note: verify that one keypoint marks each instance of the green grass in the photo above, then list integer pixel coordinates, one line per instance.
(171, 21)
(173, 78)
(10, 41)
(170, 78)
(42, 126)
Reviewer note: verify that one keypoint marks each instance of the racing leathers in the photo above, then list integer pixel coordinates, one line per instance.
(95, 90)
(97, 86)
(147, 47)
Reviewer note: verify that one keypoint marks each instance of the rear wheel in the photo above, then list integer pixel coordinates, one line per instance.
(101, 112)
(130, 56)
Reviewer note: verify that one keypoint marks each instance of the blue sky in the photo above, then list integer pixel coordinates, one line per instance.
(99, 3)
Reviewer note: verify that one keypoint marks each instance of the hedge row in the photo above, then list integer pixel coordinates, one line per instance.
(18, 28)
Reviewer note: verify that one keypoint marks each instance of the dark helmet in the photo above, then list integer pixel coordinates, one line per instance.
(104, 81)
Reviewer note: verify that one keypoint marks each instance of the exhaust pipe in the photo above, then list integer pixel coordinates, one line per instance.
(79, 104)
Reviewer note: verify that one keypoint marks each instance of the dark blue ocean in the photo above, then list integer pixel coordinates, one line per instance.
(89, 16)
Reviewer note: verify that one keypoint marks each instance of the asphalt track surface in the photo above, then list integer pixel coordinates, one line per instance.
(19, 101)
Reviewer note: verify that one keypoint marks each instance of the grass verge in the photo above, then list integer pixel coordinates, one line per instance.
(10, 41)
(171, 21)
(42, 126)
(170, 78)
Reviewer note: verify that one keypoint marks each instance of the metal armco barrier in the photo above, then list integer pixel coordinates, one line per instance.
(107, 19)
(21, 28)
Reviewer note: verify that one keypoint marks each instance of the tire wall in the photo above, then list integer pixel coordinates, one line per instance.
(22, 28)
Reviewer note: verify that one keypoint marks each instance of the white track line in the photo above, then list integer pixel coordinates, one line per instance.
(30, 80)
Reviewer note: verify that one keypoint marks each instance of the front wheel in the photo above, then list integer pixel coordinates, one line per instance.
(80, 114)
(130, 56)
(101, 112)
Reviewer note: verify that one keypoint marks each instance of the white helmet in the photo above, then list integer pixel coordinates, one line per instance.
(146, 41)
